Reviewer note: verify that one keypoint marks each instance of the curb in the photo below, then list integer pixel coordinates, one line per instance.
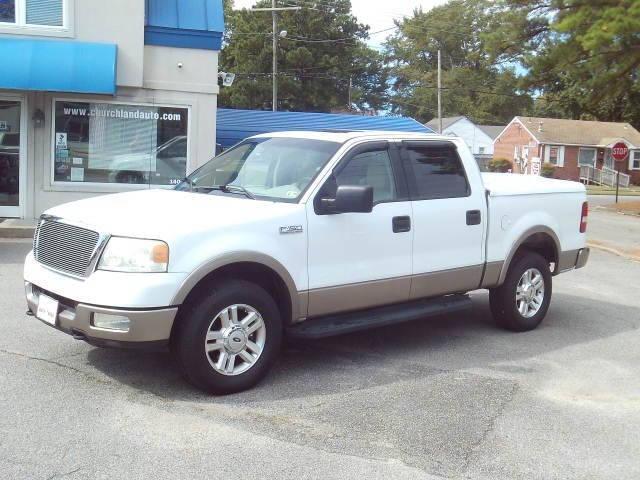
(17, 232)
(614, 251)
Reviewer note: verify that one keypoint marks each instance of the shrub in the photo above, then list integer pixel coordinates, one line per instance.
(501, 165)
(547, 170)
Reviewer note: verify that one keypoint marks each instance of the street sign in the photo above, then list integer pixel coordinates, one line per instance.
(620, 151)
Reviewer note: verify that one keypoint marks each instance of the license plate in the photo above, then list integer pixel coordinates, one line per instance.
(47, 309)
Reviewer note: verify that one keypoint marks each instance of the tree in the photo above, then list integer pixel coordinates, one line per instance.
(322, 54)
(472, 84)
(582, 56)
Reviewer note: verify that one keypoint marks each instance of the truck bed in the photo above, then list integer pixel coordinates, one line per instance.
(500, 184)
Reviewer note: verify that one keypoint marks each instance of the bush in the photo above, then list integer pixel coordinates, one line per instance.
(547, 170)
(501, 165)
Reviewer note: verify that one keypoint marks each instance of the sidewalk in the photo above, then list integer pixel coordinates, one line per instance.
(15, 228)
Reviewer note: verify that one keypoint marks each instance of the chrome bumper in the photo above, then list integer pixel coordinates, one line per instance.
(150, 327)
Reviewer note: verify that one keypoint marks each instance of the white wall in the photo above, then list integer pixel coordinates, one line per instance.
(115, 21)
(472, 135)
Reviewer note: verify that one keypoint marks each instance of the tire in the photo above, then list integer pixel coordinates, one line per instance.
(504, 305)
(204, 345)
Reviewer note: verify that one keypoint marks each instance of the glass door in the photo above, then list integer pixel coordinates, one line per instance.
(10, 155)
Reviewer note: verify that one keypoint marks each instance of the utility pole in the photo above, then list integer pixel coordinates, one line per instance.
(439, 94)
(350, 87)
(275, 56)
(273, 11)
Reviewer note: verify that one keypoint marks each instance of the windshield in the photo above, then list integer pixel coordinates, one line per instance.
(277, 168)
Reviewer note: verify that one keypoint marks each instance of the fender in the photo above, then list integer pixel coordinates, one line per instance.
(523, 238)
(298, 299)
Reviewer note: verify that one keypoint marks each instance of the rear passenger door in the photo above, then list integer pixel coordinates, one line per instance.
(448, 219)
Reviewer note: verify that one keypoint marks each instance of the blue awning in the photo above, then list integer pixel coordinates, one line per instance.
(58, 66)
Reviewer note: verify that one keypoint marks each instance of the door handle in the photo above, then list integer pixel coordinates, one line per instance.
(474, 217)
(401, 224)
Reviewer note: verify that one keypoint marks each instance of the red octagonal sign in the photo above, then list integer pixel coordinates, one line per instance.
(620, 151)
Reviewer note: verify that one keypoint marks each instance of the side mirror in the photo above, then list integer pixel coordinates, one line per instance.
(350, 199)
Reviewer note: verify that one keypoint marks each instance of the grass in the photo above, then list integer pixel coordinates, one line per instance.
(629, 207)
(634, 190)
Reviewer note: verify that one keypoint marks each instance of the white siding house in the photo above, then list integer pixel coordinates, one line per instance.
(479, 138)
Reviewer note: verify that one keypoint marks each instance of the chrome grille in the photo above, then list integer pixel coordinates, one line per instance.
(64, 247)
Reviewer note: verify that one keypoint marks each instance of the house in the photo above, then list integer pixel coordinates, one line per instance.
(479, 138)
(235, 125)
(104, 96)
(579, 149)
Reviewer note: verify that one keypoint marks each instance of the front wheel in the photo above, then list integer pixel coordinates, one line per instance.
(229, 337)
(522, 301)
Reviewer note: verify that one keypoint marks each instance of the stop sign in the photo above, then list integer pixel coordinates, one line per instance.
(620, 151)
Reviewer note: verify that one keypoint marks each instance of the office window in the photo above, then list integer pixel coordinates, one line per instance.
(44, 12)
(8, 11)
(47, 13)
(435, 171)
(116, 143)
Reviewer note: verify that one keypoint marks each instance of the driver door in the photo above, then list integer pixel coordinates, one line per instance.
(360, 260)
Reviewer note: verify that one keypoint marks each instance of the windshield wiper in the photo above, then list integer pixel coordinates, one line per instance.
(226, 189)
(237, 189)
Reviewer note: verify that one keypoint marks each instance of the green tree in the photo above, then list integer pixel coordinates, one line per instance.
(473, 85)
(582, 56)
(321, 61)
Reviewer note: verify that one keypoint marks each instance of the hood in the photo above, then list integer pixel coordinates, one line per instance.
(164, 214)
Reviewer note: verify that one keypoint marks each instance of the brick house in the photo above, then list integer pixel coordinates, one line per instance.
(579, 149)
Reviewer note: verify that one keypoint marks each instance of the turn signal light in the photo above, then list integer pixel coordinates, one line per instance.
(583, 218)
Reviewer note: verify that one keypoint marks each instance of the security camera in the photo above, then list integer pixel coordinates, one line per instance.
(227, 78)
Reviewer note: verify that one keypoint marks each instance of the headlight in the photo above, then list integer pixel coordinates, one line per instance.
(134, 255)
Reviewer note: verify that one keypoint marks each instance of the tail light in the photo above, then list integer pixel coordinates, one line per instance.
(583, 218)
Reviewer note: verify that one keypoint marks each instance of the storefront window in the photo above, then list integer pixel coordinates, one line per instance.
(7, 11)
(112, 143)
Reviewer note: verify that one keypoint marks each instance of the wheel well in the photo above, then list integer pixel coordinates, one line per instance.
(251, 272)
(542, 244)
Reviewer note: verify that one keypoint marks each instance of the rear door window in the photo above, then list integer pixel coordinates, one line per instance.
(434, 171)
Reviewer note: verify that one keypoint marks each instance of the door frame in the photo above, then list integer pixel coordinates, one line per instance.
(18, 212)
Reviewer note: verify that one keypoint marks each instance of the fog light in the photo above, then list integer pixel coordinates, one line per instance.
(111, 322)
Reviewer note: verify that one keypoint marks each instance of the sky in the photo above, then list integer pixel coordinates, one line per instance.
(378, 14)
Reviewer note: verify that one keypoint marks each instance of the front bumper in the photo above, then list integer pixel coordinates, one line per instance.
(148, 328)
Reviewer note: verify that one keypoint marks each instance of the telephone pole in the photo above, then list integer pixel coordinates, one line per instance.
(439, 94)
(274, 16)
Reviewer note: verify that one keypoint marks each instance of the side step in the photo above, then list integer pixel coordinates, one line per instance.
(340, 324)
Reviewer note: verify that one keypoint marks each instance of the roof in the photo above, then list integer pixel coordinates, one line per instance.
(492, 130)
(234, 125)
(446, 122)
(579, 132)
(184, 24)
(342, 137)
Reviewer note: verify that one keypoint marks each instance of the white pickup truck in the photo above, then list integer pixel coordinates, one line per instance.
(303, 234)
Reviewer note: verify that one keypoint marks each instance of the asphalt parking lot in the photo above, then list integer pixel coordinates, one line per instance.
(450, 397)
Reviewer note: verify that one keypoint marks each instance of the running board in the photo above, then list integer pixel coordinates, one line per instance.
(340, 324)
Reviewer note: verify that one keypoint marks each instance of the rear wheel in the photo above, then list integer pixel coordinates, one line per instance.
(229, 337)
(521, 302)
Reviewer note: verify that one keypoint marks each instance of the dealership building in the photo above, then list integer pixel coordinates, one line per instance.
(103, 96)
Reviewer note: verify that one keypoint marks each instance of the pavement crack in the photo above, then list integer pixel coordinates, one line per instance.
(66, 474)
(489, 428)
(52, 362)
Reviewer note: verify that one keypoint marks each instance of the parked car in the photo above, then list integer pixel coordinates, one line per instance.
(307, 235)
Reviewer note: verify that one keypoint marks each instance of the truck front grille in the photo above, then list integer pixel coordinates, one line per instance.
(64, 247)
